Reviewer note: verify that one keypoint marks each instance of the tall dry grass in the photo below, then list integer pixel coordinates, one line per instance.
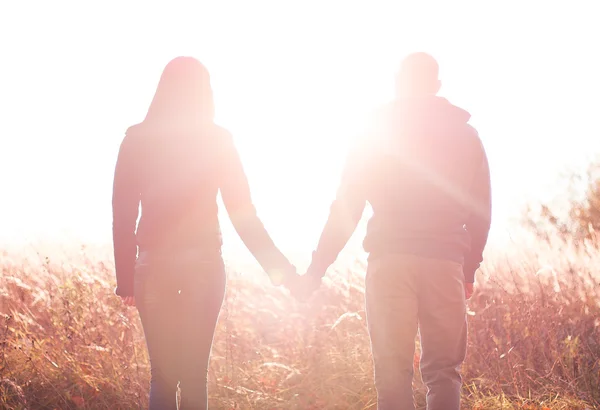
(66, 342)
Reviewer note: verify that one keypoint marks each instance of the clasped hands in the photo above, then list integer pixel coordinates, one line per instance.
(302, 287)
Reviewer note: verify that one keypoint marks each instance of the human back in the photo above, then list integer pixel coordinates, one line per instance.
(423, 161)
(169, 265)
(428, 183)
(173, 158)
(424, 171)
(179, 174)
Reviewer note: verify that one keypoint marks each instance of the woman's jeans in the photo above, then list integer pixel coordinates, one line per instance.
(179, 296)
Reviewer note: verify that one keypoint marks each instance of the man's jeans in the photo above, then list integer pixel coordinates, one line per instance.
(179, 297)
(405, 293)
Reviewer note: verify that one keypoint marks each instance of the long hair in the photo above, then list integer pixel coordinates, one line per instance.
(184, 96)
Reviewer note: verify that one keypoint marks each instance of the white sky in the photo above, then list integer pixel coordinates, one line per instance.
(293, 80)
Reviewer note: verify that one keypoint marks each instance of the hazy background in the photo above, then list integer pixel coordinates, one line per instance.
(293, 81)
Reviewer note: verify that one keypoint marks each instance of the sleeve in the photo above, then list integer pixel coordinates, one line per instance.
(344, 215)
(235, 192)
(125, 206)
(478, 224)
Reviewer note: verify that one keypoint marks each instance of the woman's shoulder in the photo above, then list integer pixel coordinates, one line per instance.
(136, 131)
(135, 134)
(223, 138)
(221, 132)
(132, 134)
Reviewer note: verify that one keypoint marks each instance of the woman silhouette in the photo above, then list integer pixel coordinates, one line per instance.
(174, 163)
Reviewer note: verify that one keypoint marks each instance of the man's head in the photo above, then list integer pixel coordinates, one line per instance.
(418, 76)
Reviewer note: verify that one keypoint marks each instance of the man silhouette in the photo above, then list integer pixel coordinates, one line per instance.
(424, 171)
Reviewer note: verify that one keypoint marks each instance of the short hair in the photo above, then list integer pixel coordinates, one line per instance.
(419, 71)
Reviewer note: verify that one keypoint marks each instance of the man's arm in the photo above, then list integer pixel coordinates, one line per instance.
(125, 206)
(235, 192)
(344, 215)
(478, 224)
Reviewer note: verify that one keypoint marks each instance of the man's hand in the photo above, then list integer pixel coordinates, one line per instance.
(468, 290)
(128, 300)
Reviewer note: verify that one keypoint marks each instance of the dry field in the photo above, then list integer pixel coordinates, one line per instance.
(67, 343)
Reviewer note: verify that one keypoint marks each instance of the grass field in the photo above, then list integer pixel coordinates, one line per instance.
(66, 342)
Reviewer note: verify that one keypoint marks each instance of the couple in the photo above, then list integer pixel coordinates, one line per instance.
(422, 168)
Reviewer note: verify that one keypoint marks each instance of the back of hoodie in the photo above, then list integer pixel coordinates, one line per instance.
(426, 176)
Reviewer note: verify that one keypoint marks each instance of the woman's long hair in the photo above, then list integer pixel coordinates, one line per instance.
(183, 97)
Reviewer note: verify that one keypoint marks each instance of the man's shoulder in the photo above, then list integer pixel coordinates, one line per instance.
(472, 133)
(223, 139)
(471, 130)
(362, 148)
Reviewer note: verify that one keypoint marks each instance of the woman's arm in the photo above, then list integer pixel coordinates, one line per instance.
(235, 192)
(125, 205)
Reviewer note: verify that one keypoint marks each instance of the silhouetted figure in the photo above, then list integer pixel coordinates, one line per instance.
(174, 163)
(425, 173)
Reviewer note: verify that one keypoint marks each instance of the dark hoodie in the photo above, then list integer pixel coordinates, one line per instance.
(175, 176)
(424, 171)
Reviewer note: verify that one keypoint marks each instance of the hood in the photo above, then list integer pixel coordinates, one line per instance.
(432, 108)
(428, 113)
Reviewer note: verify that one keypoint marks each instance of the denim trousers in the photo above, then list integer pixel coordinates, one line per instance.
(179, 296)
(406, 294)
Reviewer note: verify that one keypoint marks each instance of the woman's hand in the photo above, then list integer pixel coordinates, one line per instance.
(304, 286)
(128, 300)
(468, 290)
